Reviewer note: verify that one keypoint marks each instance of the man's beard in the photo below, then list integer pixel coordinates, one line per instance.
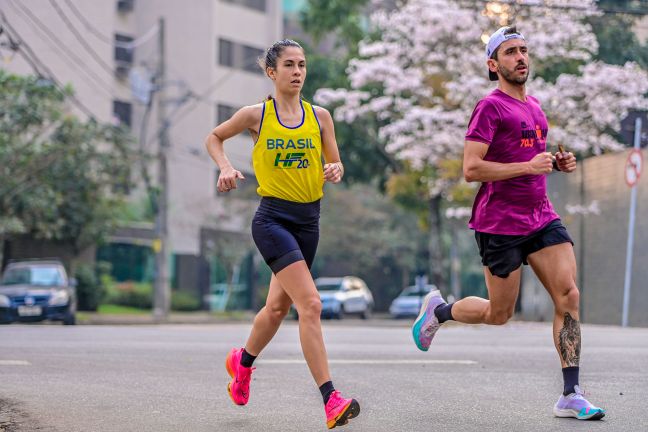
(510, 78)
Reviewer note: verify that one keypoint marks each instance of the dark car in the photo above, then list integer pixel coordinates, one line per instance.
(37, 291)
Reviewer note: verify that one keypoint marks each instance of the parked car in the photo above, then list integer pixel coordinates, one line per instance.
(37, 290)
(344, 296)
(409, 301)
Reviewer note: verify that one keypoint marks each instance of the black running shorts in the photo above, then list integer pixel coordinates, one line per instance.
(503, 254)
(286, 232)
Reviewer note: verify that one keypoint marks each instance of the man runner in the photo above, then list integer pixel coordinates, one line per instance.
(513, 219)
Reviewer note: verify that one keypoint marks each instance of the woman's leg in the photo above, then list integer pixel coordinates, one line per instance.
(269, 318)
(297, 283)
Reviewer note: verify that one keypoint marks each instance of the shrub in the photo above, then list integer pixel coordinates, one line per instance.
(184, 301)
(137, 295)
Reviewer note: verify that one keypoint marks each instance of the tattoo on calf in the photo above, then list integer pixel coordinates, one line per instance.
(569, 340)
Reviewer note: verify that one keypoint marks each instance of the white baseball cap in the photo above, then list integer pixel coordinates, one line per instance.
(496, 39)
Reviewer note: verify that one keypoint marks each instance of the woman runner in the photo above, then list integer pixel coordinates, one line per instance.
(290, 137)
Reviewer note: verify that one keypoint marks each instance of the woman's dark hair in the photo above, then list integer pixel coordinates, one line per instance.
(272, 54)
(269, 59)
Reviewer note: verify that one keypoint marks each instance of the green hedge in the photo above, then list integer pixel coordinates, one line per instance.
(184, 301)
(134, 294)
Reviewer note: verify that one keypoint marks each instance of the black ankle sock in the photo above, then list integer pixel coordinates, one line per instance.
(326, 389)
(443, 312)
(570, 377)
(247, 359)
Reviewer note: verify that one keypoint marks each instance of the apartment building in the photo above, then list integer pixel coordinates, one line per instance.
(109, 51)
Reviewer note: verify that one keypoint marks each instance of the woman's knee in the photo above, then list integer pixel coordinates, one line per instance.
(310, 308)
(277, 312)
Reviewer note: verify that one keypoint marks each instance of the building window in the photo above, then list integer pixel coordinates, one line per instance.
(238, 56)
(225, 53)
(123, 55)
(124, 6)
(122, 111)
(250, 57)
(224, 112)
(259, 5)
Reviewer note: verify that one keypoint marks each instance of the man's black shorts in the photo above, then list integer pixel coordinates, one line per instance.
(503, 254)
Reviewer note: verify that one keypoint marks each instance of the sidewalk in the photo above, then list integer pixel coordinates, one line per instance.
(94, 318)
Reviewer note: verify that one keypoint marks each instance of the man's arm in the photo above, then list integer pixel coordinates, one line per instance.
(476, 169)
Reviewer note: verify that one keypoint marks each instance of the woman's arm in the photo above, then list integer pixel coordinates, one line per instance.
(333, 168)
(247, 117)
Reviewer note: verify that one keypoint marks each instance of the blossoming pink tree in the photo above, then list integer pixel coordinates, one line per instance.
(421, 78)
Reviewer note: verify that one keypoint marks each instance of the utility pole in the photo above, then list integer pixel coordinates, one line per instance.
(634, 167)
(161, 289)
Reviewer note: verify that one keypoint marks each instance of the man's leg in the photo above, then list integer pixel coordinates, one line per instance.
(502, 294)
(498, 309)
(555, 266)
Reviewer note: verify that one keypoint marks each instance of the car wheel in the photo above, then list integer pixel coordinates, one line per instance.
(340, 313)
(70, 319)
(366, 314)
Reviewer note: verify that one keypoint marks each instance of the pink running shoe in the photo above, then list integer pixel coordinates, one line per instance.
(239, 387)
(339, 410)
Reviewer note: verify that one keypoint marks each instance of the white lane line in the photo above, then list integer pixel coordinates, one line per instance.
(14, 363)
(374, 362)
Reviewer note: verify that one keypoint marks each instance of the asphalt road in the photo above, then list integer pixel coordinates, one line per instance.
(172, 378)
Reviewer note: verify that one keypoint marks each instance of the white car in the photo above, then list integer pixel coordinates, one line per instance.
(344, 296)
(409, 301)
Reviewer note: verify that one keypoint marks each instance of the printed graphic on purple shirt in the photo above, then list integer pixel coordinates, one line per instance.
(515, 131)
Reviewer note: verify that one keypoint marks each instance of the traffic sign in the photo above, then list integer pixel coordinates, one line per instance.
(633, 167)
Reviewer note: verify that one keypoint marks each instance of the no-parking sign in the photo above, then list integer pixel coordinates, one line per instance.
(633, 167)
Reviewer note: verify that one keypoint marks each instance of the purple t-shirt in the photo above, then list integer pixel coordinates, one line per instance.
(515, 131)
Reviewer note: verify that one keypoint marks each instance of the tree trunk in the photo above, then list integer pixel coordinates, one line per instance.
(2, 243)
(436, 245)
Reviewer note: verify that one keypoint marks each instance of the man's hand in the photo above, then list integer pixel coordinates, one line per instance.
(227, 179)
(566, 161)
(542, 163)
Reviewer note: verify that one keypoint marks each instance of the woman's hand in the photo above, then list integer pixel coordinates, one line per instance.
(227, 179)
(333, 172)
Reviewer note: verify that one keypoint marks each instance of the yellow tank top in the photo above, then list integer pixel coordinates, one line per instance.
(288, 160)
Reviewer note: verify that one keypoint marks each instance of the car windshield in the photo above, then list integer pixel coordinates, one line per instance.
(328, 287)
(41, 276)
(415, 292)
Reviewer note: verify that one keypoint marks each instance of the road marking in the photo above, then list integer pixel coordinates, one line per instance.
(374, 362)
(14, 363)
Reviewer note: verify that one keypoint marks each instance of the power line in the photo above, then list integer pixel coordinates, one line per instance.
(56, 44)
(200, 98)
(80, 38)
(87, 24)
(31, 57)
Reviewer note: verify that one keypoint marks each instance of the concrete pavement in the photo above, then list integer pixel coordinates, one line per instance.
(171, 378)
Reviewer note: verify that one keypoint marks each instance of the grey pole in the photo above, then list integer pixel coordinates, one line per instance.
(631, 229)
(162, 292)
